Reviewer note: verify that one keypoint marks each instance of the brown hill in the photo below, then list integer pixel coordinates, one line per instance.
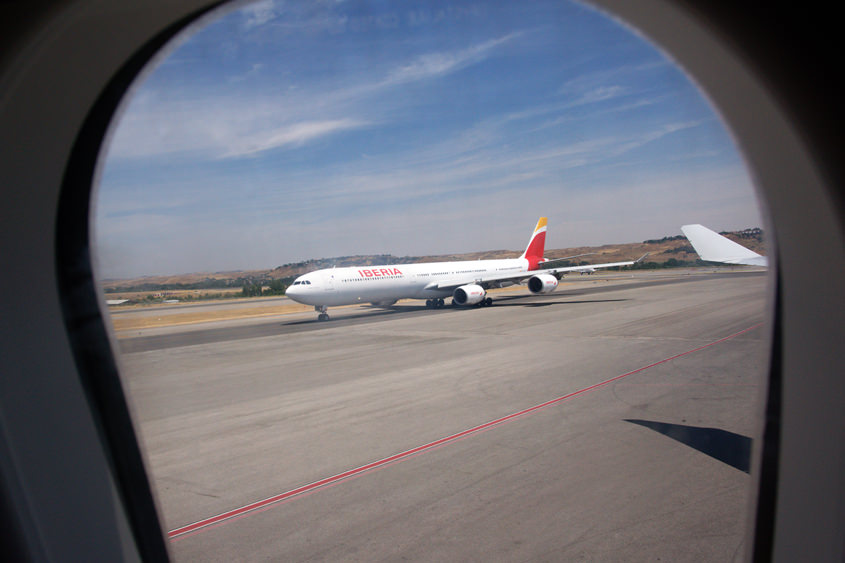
(659, 250)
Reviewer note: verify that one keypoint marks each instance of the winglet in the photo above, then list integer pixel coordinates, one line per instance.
(713, 247)
(641, 258)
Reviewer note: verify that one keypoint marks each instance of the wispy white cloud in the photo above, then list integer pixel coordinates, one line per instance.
(295, 134)
(225, 126)
(248, 122)
(438, 64)
(651, 136)
(600, 94)
(593, 96)
(461, 166)
(254, 70)
(258, 13)
(598, 79)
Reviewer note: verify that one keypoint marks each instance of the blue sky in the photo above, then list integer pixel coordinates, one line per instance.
(282, 131)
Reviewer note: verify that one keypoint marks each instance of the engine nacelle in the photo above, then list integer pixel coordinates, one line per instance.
(470, 294)
(542, 283)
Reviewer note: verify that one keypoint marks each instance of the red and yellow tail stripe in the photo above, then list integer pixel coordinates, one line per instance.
(537, 245)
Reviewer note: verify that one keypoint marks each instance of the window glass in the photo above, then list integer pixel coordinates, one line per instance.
(608, 415)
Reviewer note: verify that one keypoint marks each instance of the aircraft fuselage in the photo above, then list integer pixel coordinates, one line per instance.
(368, 284)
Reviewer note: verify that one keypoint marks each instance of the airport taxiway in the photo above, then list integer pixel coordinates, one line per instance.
(641, 454)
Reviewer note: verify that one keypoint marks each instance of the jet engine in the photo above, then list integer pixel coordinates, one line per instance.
(542, 283)
(470, 294)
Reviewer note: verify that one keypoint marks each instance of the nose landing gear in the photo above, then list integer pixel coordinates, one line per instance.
(322, 309)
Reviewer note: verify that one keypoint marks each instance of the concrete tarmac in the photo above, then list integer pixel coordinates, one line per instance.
(650, 466)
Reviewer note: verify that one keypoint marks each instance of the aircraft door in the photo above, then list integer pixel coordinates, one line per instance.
(329, 279)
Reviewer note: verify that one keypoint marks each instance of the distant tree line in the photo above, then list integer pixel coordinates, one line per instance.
(159, 297)
(256, 288)
(678, 249)
(319, 263)
(664, 239)
(250, 287)
(755, 233)
(670, 263)
(207, 283)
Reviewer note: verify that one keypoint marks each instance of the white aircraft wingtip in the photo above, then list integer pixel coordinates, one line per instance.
(713, 247)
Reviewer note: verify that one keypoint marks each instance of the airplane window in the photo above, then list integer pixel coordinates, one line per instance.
(588, 393)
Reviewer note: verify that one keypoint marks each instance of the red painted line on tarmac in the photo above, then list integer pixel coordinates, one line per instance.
(262, 504)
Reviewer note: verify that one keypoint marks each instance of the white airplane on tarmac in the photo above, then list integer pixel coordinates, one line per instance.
(466, 282)
(713, 247)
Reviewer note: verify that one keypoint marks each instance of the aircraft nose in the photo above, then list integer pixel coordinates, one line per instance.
(293, 291)
(301, 291)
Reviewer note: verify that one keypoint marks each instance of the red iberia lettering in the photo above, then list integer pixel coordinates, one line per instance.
(379, 273)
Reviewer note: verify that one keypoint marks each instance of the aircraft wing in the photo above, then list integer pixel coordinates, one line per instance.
(490, 280)
(713, 247)
(553, 260)
(583, 267)
(565, 269)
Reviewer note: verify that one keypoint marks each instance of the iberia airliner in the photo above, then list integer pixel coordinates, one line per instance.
(466, 282)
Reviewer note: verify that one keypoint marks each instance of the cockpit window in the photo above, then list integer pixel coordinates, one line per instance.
(282, 138)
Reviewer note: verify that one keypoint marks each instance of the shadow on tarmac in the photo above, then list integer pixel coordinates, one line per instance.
(375, 312)
(727, 447)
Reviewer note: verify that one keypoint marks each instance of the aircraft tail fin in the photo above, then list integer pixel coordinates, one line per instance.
(713, 247)
(537, 245)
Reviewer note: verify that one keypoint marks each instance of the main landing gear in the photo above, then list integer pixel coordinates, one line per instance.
(486, 302)
(322, 309)
(434, 303)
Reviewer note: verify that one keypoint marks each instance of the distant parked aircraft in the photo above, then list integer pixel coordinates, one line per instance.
(713, 247)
